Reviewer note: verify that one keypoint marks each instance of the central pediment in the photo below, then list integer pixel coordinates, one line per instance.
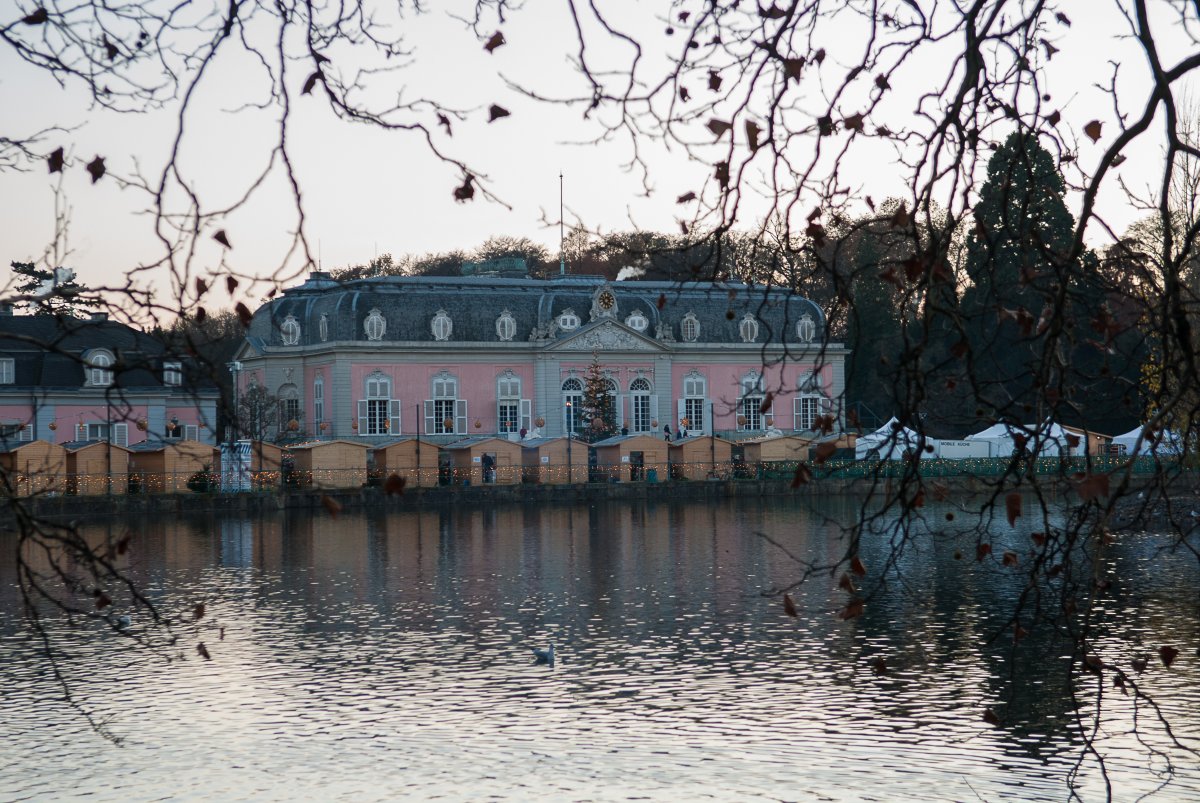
(606, 335)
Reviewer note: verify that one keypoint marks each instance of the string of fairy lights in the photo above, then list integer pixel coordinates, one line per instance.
(271, 480)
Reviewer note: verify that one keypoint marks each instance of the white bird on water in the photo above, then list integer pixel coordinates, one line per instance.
(545, 656)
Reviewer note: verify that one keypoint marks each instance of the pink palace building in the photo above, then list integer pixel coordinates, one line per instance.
(498, 353)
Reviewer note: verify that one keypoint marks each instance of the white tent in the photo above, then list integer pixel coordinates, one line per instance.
(1163, 442)
(890, 442)
(1049, 439)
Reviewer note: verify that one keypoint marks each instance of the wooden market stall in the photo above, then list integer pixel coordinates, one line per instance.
(545, 461)
(788, 449)
(328, 464)
(413, 459)
(96, 467)
(632, 458)
(699, 457)
(485, 460)
(34, 467)
(168, 466)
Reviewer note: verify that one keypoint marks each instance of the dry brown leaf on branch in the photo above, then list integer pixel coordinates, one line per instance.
(1012, 508)
(752, 132)
(982, 551)
(1092, 129)
(310, 83)
(857, 566)
(496, 111)
(718, 127)
(222, 238)
(243, 313)
(96, 169)
(198, 610)
(1168, 655)
(394, 485)
(332, 505)
(202, 651)
(466, 191)
(686, 197)
(39, 16)
(823, 452)
(789, 607)
(854, 609)
(802, 476)
(496, 40)
(55, 160)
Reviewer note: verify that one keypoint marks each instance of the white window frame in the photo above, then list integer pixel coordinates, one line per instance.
(289, 331)
(8, 371)
(805, 409)
(642, 406)
(694, 403)
(99, 371)
(689, 328)
(16, 430)
(323, 327)
(806, 328)
(572, 393)
(99, 431)
(508, 404)
(442, 326)
(637, 321)
(506, 326)
(173, 374)
(445, 405)
(568, 321)
(378, 412)
(750, 404)
(375, 325)
(318, 399)
(748, 329)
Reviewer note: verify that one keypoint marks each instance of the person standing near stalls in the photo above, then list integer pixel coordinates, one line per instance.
(667, 431)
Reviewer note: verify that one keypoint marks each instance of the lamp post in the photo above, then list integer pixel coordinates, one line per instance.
(235, 368)
(570, 427)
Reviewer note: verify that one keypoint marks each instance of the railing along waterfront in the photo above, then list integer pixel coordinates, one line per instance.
(28, 484)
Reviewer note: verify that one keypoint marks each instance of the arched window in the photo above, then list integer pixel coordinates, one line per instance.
(637, 321)
(748, 329)
(441, 325)
(506, 326)
(806, 328)
(289, 408)
(375, 325)
(319, 398)
(639, 397)
(289, 331)
(572, 391)
(750, 412)
(99, 372)
(689, 328)
(694, 402)
(568, 321)
(323, 327)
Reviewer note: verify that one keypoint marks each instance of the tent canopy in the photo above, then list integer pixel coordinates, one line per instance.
(1160, 442)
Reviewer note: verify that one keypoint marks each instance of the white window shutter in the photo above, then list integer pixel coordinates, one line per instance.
(460, 416)
(526, 414)
(120, 435)
(26, 433)
(619, 404)
(429, 425)
(394, 416)
(654, 416)
(797, 414)
(706, 411)
(362, 416)
(680, 413)
(191, 432)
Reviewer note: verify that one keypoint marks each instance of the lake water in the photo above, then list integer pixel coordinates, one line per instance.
(384, 657)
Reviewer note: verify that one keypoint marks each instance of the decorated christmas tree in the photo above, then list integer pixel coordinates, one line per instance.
(599, 413)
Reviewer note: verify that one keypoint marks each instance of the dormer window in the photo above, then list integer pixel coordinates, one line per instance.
(568, 320)
(375, 325)
(173, 373)
(637, 321)
(748, 329)
(99, 371)
(323, 328)
(289, 330)
(441, 325)
(689, 328)
(806, 328)
(506, 326)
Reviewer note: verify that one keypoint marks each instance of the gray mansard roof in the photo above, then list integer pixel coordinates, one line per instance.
(473, 304)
